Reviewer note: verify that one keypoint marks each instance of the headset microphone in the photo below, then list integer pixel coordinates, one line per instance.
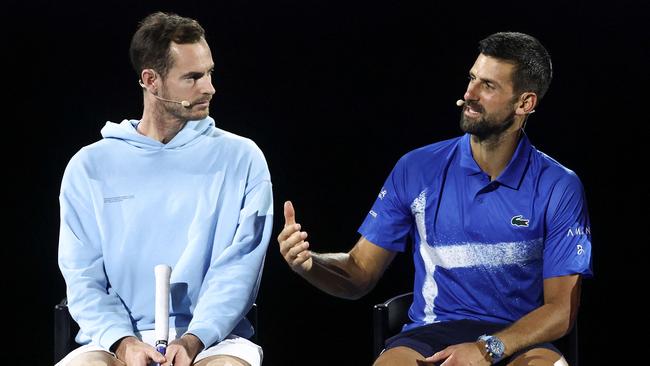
(184, 103)
(461, 102)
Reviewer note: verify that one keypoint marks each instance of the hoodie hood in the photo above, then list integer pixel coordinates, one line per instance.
(126, 131)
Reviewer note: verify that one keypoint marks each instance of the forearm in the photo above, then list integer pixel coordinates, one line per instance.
(230, 286)
(347, 275)
(338, 274)
(100, 314)
(551, 320)
(545, 324)
(229, 289)
(97, 309)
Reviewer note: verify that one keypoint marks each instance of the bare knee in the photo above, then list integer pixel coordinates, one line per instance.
(398, 356)
(537, 357)
(95, 358)
(222, 360)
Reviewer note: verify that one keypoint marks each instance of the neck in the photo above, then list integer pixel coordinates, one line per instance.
(493, 154)
(159, 125)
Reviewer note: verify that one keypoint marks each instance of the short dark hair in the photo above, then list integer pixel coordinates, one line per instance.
(533, 70)
(150, 43)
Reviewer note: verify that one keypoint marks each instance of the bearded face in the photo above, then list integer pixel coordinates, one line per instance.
(198, 109)
(490, 99)
(474, 119)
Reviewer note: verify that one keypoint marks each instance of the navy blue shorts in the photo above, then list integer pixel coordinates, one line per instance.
(432, 338)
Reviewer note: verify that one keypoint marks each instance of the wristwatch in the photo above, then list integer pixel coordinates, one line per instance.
(494, 347)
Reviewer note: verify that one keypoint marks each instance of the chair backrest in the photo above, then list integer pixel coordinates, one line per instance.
(65, 329)
(388, 319)
(390, 316)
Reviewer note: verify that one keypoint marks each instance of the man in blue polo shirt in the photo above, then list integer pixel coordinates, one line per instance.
(500, 231)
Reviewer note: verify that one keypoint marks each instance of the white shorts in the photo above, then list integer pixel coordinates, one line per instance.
(233, 345)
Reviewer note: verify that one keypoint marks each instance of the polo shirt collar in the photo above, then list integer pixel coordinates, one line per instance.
(467, 161)
(514, 171)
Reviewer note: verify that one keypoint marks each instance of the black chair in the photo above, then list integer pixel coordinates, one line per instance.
(389, 317)
(65, 329)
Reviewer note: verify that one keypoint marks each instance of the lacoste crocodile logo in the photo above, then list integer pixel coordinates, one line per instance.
(519, 221)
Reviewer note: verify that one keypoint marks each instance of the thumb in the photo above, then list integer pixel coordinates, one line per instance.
(156, 356)
(289, 214)
(438, 356)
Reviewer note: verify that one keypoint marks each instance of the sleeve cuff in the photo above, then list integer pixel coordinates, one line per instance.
(112, 335)
(206, 335)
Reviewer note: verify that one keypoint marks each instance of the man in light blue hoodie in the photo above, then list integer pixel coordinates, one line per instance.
(172, 189)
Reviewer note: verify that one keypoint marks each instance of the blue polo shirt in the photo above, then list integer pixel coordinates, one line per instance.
(481, 248)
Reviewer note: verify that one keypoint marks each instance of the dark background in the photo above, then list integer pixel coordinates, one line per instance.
(333, 92)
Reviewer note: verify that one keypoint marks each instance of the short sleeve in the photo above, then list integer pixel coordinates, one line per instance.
(567, 245)
(389, 222)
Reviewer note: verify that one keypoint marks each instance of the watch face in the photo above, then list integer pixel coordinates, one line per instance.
(497, 348)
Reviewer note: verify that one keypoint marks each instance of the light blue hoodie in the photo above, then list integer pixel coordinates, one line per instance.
(201, 203)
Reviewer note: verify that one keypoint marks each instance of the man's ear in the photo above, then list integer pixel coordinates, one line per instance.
(526, 104)
(148, 78)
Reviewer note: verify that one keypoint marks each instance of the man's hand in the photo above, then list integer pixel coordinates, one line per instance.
(464, 354)
(293, 246)
(182, 351)
(134, 352)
